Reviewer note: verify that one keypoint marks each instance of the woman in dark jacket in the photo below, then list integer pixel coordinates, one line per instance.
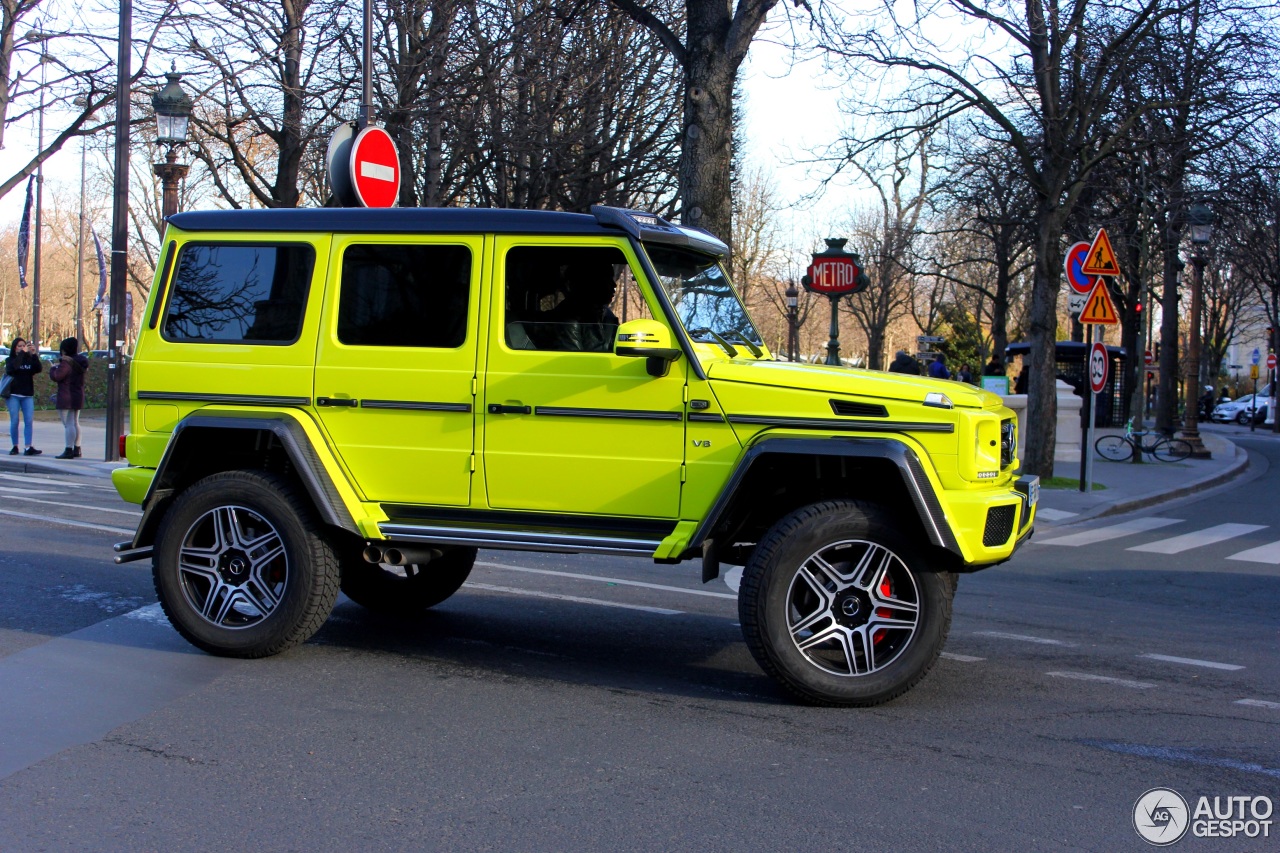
(23, 364)
(69, 374)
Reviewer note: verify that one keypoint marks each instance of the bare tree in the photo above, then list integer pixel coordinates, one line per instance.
(1048, 97)
(888, 239)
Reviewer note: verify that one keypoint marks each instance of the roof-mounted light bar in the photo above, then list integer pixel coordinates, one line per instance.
(653, 228)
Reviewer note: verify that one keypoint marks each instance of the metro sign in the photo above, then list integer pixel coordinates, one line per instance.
(834, 276)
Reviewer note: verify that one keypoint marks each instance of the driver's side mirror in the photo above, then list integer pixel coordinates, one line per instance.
(650, 340)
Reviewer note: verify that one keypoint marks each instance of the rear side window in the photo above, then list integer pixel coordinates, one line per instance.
(239, 292)
(404, 296)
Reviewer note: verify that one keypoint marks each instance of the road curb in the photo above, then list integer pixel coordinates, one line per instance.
(1237, 467)
(80, 468)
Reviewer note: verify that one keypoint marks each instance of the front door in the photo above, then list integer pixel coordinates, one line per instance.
(569, 426)
(396, 363)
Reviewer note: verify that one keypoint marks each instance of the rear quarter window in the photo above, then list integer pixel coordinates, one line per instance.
(239, 293)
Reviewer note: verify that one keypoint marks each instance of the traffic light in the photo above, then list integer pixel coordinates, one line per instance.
(1157, 351)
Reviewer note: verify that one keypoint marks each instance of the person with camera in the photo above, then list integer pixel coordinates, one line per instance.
(69, 374)
(21, 367)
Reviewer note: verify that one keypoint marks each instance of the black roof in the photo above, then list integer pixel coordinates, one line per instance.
(445, 220)
(1065, 350)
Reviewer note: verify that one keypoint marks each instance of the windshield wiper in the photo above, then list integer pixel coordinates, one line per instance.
(728, 347)
(742, 339)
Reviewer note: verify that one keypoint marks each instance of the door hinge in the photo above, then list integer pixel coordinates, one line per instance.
(686, 394)
(473, 463)
(473, 386)
(683, 472)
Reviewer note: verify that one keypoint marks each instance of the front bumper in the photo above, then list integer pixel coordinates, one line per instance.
(991, 525)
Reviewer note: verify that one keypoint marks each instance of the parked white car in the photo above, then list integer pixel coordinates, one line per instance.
(1242, 410)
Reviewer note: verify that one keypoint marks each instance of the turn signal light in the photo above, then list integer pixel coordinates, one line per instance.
(122, 438)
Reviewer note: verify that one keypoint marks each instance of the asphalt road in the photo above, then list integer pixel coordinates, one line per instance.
(591, 703)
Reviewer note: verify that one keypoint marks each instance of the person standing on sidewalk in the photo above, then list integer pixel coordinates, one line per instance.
(23, 364)
(69, 374)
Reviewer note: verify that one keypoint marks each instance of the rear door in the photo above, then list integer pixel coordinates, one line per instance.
(396, 361)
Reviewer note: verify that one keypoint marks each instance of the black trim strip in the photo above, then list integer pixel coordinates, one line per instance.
(234, 399)
(517, 540)
(615, 527)
(415, 406)
(632, 414)
(704, 418)
(843, 425)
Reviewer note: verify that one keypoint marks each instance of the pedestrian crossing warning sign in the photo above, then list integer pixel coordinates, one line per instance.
(1101, 259)
(1098, 307)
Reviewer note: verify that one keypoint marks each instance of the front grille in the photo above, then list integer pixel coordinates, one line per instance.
(999, 525)
(1008, 442)
(859, 410)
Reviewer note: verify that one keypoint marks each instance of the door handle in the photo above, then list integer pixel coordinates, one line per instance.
(496, 409)
(332, 401)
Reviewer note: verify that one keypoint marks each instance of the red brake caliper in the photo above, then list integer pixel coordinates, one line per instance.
(886, 589)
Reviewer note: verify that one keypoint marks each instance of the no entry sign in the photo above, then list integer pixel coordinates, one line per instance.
(375, 168)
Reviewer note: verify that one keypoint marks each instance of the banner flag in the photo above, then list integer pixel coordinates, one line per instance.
(24, 235)
(102, 273)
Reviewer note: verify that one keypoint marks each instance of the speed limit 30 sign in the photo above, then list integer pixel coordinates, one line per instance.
(1098, 368)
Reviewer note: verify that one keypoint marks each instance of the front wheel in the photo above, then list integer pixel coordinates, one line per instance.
(242, 566)
(840, 608)
(1171, 450)
(1243, 419)
(1114, 447)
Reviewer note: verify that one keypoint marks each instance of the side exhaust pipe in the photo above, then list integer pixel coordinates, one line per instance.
(401, 555)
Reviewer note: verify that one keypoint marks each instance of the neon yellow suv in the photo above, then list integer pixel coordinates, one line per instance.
(360, 399)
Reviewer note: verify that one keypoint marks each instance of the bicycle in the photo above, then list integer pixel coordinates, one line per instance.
(1121, 448)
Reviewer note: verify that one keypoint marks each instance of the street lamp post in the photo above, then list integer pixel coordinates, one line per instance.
(173, 109)
(119, 238)
(1201, 219)
(793, 329)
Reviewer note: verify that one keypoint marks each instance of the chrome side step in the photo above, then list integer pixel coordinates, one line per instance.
(519, 540)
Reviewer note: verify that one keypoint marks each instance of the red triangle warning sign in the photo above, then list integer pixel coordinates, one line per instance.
(1098, 307)
(1101, 259)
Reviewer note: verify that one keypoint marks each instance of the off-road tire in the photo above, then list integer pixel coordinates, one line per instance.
(406, 591)
(308, 586)
(766, 602)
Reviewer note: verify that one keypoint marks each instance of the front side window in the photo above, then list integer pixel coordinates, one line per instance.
(404, 296)
(561, 298)
(701, 294)
(239, 293)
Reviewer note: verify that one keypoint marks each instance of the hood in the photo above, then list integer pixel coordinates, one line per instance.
(843, 380)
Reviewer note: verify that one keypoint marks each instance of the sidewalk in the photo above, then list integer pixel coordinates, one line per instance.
(1128, 486)
(1131, 486)
(49, 437)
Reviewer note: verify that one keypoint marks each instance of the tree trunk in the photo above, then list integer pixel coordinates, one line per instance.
(707, 155)
(1041, 360)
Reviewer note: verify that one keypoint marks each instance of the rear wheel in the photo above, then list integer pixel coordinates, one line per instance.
(406, 591)
(242, 567)
(1114, 447)
(1171, 450)
(840, 608)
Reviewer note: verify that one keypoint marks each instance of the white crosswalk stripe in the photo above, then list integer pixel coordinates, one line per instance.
(1262, 554)
(1198, 538)
(1111, 531)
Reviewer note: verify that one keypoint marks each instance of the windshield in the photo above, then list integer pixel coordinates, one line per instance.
(702, 296)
